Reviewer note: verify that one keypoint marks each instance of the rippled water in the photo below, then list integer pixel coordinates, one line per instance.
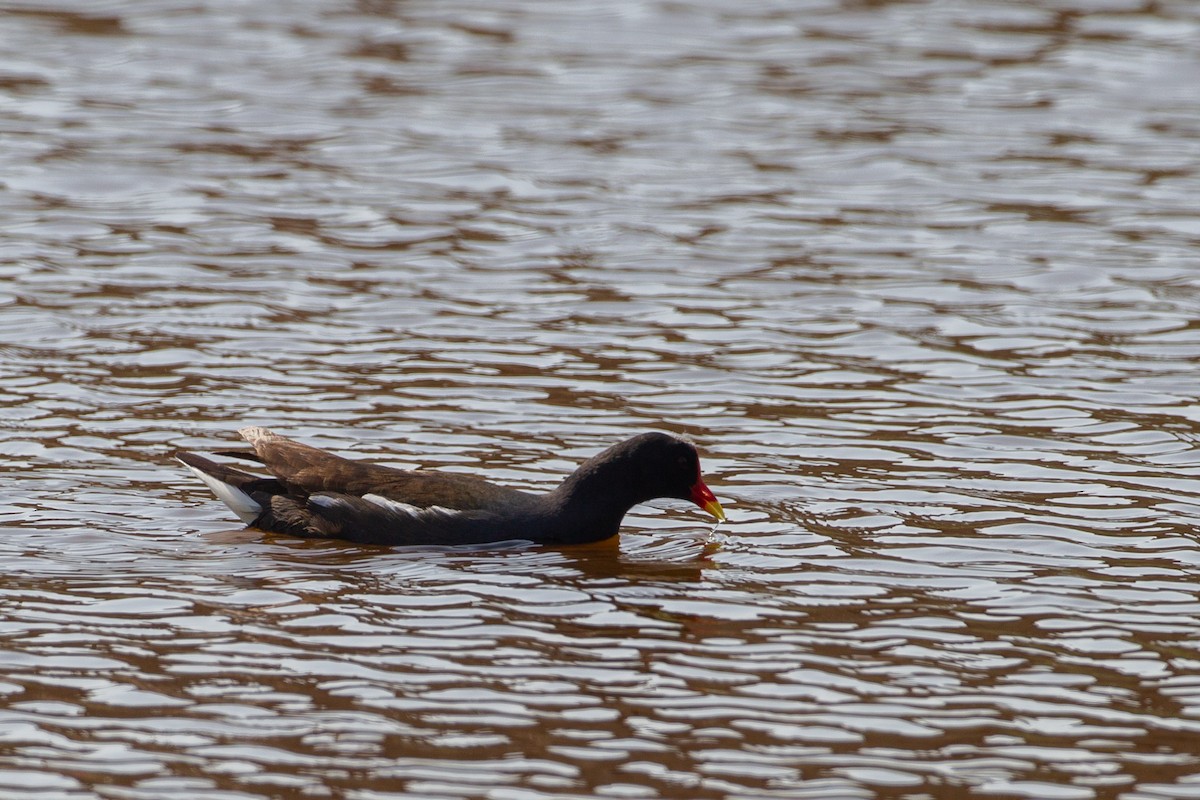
(918, 277)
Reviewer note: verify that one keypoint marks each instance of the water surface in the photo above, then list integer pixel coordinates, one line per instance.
(918, 278)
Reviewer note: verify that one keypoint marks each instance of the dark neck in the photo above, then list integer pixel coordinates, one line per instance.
(592, 501)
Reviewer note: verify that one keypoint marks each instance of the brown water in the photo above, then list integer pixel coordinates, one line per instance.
(920, 278)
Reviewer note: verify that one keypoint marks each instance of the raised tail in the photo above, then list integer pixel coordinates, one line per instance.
(232, 486)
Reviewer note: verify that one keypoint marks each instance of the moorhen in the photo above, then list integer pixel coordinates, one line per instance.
(317, 494)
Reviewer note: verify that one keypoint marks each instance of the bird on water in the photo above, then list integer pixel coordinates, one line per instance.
(314, 493)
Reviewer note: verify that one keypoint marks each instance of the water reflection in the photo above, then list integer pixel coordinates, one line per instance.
(918, 279)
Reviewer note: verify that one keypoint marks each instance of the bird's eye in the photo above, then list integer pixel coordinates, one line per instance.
(682, 462)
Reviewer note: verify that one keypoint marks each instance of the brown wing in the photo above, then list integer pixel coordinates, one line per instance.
(308, 470)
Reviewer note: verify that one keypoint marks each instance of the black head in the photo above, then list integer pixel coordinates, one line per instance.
(660, 464)
(642, 468)
(667, 466)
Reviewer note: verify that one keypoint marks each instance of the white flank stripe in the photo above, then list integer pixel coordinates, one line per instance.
(410, 510)
(241, 503)
(325, 501)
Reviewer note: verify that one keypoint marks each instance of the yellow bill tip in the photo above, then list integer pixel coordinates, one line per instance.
(714, 508)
